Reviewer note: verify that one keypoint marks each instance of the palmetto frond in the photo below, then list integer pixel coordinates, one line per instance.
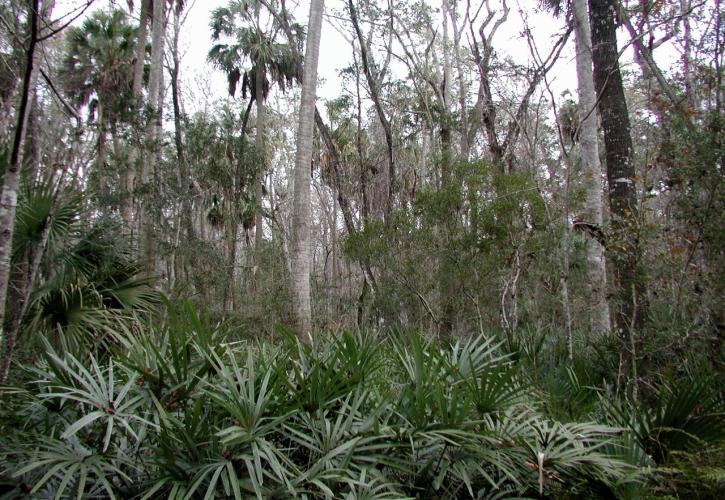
(98, 60)
(686, 415)
(41, 210)
(249, 45)
(90, 286)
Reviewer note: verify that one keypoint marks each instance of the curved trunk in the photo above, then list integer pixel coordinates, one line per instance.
(302, 210)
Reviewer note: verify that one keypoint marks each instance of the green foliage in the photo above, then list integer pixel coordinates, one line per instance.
(97, 68)
(249, 43)
(41, 210)
(490, 219)
(684, 416)
(90, 288)
(699, 475)
(180, 412)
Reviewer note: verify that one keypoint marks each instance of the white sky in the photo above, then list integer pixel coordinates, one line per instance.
(207, 84)
(336, 53)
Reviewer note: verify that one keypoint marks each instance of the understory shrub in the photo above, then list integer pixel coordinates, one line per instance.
(180, 410)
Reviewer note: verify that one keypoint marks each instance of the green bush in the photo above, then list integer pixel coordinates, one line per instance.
(182, 411)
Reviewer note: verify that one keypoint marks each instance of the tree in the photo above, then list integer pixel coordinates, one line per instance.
(11, 177)
(302, 210)
(268, 59)
(154, 129)
(589, 147)
(374, 79)
(623, 206)
(97, 72)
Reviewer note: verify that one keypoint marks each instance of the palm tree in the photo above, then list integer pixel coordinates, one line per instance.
(97, 72)
(268, 62)
(302, 210)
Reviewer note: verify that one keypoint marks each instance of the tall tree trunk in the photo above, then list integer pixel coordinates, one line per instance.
(451, 6)
(621, 179)
(183, 169)
(153, 137)
(446, 265)
(345, 206)
(259, 146)
(588, 143)
(302, 209)
(129, 175)
(138, 65)
(103, 186)
(32, 152)
(11, 181)
(259, 176)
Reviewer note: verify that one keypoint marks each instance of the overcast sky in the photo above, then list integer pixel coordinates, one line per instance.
(206, 83)
(335, 51)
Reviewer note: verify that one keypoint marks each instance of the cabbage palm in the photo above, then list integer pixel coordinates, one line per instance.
(302, 259)
(253, 57)
(98, 71)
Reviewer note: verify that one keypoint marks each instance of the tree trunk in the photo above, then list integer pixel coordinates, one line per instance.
(129, 175)
(11, 180)
(446, 264)
(302, 210)
(596, 262)
(33, 151)
(621, 180)
(259, 146)
(103, 186)
(153, 138)
(451, 7)
(145, 11)
(184, 175)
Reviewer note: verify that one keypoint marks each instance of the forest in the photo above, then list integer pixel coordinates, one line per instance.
(362, 249)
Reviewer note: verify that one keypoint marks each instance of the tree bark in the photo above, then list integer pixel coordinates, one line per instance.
(185, 185)
(11, 180)
(446, 278)
(153, 138)
(451, 7)
(259, 176)
(145, 11)
(259, 146)
(32, 133)
(596, 263)
(128, 176)
(302, 209)
(621, 182)
(103, 186)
